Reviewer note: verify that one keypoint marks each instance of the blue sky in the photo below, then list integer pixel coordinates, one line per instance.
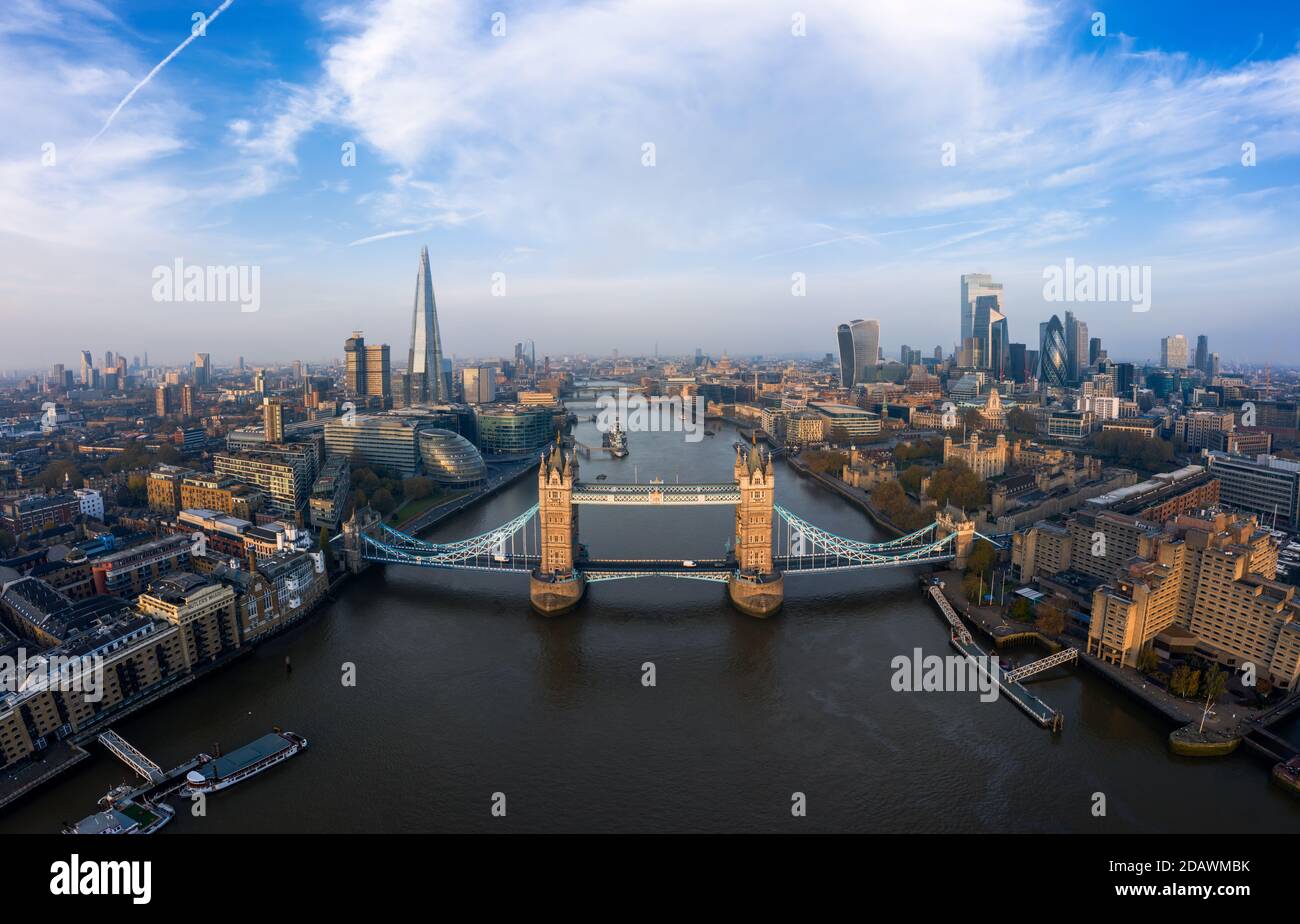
(521, 154)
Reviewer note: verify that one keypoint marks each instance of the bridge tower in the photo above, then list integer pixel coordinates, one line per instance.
(948, 522)
(755, 587)
(556, 586)
(364, 521)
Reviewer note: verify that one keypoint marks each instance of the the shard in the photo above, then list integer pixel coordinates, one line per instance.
(424, 380)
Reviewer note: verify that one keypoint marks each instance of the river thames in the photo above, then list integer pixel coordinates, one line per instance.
(463, 692)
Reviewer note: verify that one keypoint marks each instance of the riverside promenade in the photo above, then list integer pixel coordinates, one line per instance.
(855, 496)
(500, 476)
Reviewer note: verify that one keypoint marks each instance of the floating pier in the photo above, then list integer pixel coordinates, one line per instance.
(1008, 683)
(140, 810)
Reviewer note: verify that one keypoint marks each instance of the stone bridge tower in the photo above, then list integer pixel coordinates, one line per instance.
(755, 587)
(557, 584)
(949, 521)
(363, 522)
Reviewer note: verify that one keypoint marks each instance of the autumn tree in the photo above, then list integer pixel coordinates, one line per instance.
(1184, 681)
(1050, 620)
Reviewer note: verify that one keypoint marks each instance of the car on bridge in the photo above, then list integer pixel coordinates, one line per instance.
(687, 563)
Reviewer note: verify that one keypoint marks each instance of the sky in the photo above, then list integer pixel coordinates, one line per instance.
(864, 153)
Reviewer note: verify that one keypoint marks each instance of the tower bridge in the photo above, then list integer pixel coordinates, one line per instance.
(769, 541)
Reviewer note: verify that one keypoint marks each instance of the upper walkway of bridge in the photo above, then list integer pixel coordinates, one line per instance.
(656, 493)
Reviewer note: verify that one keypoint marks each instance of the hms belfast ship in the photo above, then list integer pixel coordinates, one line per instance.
(615, 440)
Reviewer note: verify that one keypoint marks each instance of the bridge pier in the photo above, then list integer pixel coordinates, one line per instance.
(553, 594)
(758, 595)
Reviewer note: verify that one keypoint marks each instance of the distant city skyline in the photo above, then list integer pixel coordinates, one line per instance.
(676, 207)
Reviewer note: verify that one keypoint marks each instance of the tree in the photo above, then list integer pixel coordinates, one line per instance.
(1022, 421)
(325, 549)
(911, 477)
(1263, 687)
(919, 449)
(1050, 620)
(1184, 681)
(53, 476)
(383, 501)
(954, 483)
(1021, 609)
(888, 498)
(1147, 661)
(981, 559)
(970, 588)
(8, 541)
(365, 478)
(1213, 685)
(1131, 449)
(825, 460)
(417, 487)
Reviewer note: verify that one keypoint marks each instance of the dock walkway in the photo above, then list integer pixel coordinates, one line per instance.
(960, 637)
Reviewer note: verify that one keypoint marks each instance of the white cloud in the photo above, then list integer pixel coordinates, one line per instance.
(821, 151)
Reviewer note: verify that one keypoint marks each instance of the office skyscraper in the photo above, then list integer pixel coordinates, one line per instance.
(354, 364)
(973, 285)
(202, 369)
(1173, 352)
(379, 374)
(1052, 360)
(989, 336)
(859, 344)
(1017, 355)
(424, 378)
(1076, 347)
(1203, 353)
(480, 384)
(367, 370)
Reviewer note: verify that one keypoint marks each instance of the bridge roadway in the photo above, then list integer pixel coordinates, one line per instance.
(790, 564)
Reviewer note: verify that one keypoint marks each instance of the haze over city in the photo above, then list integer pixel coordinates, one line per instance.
(517, 147)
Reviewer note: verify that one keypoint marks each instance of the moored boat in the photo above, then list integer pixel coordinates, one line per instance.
(124, 817)
(242, 763)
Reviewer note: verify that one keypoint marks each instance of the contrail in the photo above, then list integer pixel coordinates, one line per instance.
(159, 66)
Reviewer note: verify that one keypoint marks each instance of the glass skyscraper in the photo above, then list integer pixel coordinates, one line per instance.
(424, 379)
(1076, 347)
(990, 336)
(973, 285)
(1052, 355)
(859, 344)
